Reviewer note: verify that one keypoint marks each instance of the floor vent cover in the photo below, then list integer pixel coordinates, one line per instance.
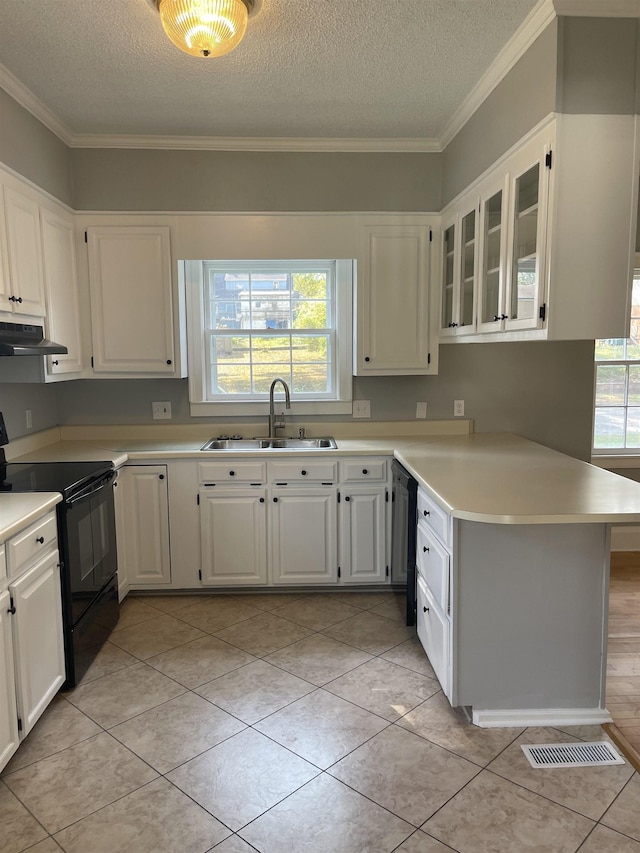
(571, 754)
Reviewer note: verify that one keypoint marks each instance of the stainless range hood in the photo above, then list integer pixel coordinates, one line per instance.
(25, 339)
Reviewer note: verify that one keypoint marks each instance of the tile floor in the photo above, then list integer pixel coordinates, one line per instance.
(290, 724)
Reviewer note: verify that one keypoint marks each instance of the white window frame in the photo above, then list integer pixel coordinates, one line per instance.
(193, 275)
(627, 362)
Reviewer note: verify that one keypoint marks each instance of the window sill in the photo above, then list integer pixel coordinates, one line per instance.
(236, 409)
(611, 460)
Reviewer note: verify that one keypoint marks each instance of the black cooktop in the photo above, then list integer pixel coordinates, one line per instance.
(64, 477)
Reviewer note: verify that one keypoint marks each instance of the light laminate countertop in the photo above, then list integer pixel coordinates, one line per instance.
(18, 510)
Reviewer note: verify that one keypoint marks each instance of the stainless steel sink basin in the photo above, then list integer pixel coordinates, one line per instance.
(243, 444)
(302, 443)
(236, 444)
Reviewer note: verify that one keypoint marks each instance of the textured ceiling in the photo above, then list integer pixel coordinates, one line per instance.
(306, 68)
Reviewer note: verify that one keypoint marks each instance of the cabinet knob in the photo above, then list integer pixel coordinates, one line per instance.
(426, 512)
(347, 498)
(495, 318)
(12, 299)
(161, 476)
(275, 500)
(232, 473)
(303, 472)
(504, 317)
(261, 500)
(365, 470)
(40, 539)
(19, 299)
(366, 358)
(169, 361)
(425, 549)
(55, 361)
(425, 609)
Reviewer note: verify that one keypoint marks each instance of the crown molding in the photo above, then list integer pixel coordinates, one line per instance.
(33, 104)
(538, 19)
(598, 8)
(248, 143)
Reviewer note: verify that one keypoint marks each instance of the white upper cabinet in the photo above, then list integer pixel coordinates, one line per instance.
(133, 315)
(392, 298)
(61, 286)
(25, 291)
(549, 254)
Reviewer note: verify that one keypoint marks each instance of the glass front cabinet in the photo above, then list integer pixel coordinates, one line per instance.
(493, 249)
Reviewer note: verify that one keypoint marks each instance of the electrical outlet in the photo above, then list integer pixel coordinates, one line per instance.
(458, 408)
(421, 410)
(28, 419)
(361, 408)
(161, 411)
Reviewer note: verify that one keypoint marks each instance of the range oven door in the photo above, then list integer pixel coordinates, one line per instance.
(90, 544)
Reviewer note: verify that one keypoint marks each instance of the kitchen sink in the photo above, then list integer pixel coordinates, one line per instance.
(242, 444)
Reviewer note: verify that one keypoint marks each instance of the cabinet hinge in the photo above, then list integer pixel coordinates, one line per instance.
(387, 571)
(12, 607)
(543, 311)
(19, 724)
(91, 361)
(86, 237)
(200, 574)
(339, 571)
(386, 496)
(338, 497)
(198, 499)
(428, 358)
(430, 235)
(548, 160)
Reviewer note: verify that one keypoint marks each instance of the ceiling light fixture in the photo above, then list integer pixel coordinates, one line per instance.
(205, 27)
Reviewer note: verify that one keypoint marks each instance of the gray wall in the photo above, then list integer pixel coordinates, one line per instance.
(32, 150)
(543, 391)
(42, 400)
(125, 179)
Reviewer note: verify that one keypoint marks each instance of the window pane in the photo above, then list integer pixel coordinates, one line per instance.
(610, 349)
(264, 374)
(310, 348)
(232, 380)
(313, 378)
(270, 349)
(310, 285)
(310, 315)
(635, 295)
(633, 394)
(633, 341)
(227, 349)
(633, 427)
(271, 312)
(610, 384)
(609, 428)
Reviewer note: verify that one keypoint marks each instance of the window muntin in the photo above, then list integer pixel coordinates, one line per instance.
(617, 387)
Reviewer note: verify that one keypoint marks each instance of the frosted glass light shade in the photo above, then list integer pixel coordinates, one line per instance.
(204, 27)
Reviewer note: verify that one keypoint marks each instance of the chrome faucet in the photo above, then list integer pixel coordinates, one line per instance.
(274, 423)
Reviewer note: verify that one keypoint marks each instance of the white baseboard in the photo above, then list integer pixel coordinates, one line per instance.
(541, 717)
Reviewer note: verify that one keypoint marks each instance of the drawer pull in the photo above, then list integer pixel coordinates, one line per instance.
(347, 498)
(303, 472)
(275, 500)
(425, 609)
(426, 512)
(365, 471)
(425, 549)
(261, 500)
(232, 473)
(40, 539)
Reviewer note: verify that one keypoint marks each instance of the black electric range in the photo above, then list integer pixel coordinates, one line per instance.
(87, 544)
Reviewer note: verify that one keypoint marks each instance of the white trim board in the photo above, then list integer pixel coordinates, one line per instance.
(541, 717)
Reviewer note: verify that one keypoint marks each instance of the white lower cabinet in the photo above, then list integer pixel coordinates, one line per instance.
(303, 534)
(233, 531)
(434, 633)
(143, 538)
(9, 738)
(363, 534)
(37, 637)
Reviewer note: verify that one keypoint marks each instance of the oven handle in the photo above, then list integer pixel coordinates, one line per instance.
(91, 490)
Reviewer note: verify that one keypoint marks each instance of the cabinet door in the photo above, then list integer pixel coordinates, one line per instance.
(303, 535)
(493, 229)
(233, 534)
(37, 638)
(5, 285)
(8, 711)
(61, 286)
(433, 633)
(24, 251)
(362, 534)
(131, 300)
(528, 210)
(450, 262)
(145, 543)
(392, 301)
(467, 271)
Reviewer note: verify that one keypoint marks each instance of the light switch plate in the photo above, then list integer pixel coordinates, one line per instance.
(421, 410)
(161, 411)
(362, 408)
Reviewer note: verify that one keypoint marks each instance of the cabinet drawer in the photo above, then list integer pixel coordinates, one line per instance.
(232, 471)
(432, 561)
(433, 633)
(303, 470)
(28, 546)
(364, 470)
(436, 519)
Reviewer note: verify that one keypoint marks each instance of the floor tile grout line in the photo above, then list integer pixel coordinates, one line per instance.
(27, 809)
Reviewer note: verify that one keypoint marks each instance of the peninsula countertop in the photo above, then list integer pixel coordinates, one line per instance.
(19, 510)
